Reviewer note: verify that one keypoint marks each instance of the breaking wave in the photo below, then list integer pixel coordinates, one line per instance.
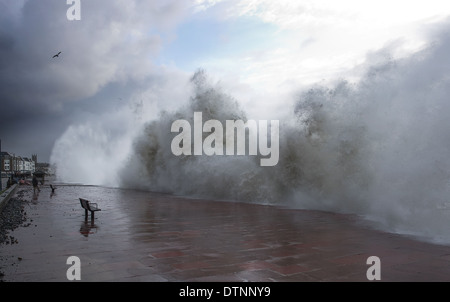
(379, 148)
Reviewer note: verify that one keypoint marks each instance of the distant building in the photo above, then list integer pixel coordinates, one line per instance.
(11, 164)
(7, 162)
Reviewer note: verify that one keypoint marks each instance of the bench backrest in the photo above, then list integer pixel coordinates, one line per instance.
(84, 203)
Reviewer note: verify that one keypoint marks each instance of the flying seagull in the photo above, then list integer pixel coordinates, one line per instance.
(57, 55)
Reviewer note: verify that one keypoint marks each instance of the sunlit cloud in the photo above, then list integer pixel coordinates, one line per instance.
(313, 41)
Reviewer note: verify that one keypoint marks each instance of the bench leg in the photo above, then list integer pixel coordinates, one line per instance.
(92, 215)
(85, 212)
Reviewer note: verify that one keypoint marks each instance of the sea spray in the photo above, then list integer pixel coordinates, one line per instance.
(307, 155)
(158, 169)
(377, 147)
(92, 151)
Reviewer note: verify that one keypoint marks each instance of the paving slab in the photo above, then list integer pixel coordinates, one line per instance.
(149, 237)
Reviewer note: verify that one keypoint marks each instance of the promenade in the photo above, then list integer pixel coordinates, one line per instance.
(142, 236)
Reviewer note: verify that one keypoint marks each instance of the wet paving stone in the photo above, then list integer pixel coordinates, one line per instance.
(149, 237)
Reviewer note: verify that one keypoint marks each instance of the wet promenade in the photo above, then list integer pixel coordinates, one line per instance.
(141, 236)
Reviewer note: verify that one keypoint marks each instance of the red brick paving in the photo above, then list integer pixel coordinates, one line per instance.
(141, 236)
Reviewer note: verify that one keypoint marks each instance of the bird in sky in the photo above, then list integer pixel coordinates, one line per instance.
(57, 55)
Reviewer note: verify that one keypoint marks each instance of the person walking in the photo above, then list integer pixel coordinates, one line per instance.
(35, 184)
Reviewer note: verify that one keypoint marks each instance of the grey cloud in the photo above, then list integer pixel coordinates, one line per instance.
(113, 44)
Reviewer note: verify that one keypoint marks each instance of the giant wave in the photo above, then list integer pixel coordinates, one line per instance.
(378, 147)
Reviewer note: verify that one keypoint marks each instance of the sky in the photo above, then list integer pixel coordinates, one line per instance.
(137, 56)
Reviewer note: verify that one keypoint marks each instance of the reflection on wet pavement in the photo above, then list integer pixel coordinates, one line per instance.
(88, 227)
(142, 236)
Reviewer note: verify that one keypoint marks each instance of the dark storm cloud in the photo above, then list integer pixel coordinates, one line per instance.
(112, 44)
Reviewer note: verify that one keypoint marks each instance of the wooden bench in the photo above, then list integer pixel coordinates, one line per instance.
(89, 206)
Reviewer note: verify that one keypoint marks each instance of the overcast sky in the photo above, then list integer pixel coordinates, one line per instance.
(135, 54)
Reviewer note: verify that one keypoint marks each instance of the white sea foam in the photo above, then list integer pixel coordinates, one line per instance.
(378, 147)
